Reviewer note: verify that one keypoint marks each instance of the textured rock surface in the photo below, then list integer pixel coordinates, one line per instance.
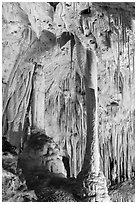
(54, 195)
(44, 60)
(14, 190)
(9, 156)
(9, 162)
(124, 192)
(41, 154)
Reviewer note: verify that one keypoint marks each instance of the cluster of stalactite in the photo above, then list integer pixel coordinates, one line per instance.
(116, 134)
(68, 110)
(63, 101)
(117, 148)
(66, 107)
(116, 89)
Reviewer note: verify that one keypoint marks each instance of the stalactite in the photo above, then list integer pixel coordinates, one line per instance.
(104, 158)
(82, 133)
(129, 80)
(123, 136)
(79, 156)
(133, 66)
(127, 156)
(114, 140)
(27, 99)
(125, 152)
(123, 33)
(119, 146)
(118, 63)
(69, 110)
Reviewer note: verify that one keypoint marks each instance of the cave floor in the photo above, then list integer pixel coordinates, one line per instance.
(123, 192)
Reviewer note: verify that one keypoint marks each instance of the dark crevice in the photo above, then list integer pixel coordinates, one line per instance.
(53, 4)
(86, 11)
(65, 37)
(67, 166)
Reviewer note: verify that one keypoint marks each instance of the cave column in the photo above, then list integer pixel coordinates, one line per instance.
(38, 105)
(91, 178)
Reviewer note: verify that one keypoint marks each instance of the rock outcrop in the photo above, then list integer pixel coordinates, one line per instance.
(41, 154)
(14, 188)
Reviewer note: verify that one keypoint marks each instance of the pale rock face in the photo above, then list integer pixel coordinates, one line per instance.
(56, 166)
(32, 52)
(40, 16)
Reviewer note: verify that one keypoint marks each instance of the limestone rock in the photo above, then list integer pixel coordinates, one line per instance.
(46, 49)
(13, 190)
(53, 195)
(9, 162)
(7, 147)
(9, 156)
(124, 192)
(41, 154)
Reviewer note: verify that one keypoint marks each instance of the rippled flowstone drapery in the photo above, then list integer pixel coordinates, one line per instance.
(45, 87)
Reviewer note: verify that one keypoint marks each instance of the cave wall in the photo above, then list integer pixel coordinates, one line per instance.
(116, 112)
(61, 91)
(44, 57)
(66, 112)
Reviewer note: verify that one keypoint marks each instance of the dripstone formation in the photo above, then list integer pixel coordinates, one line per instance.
(68, 86)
